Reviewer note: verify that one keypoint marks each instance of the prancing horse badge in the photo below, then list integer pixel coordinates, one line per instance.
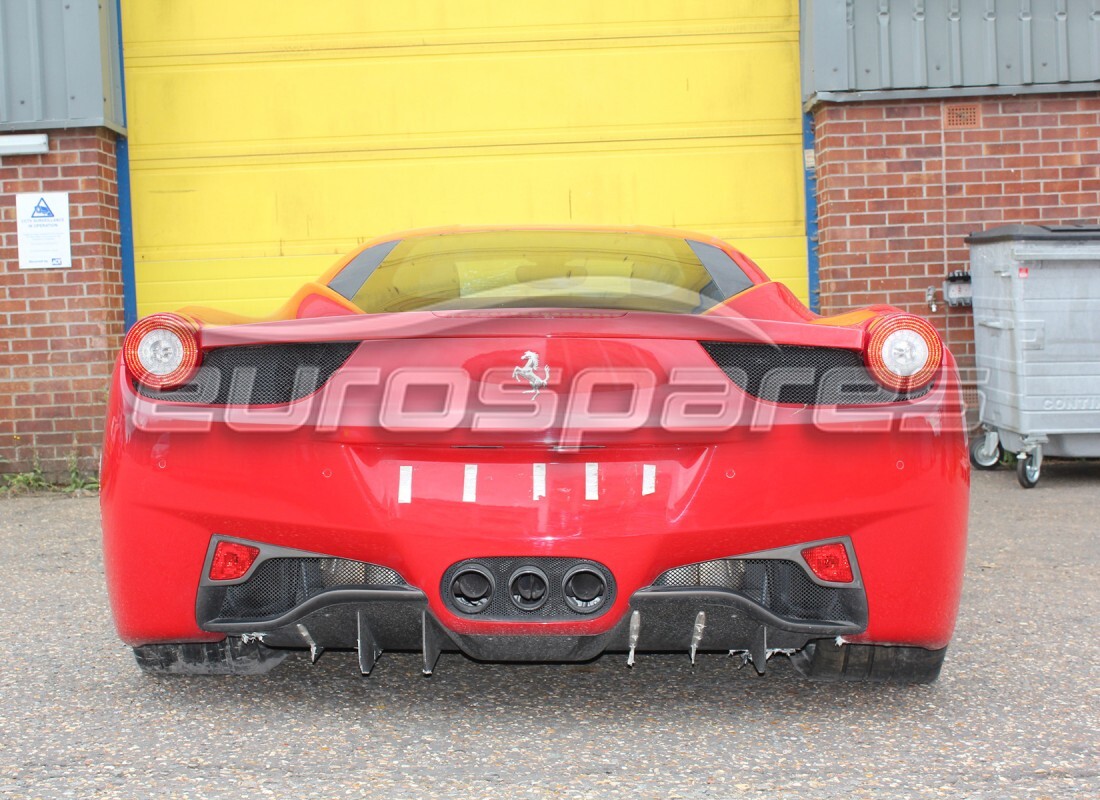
(528, 371)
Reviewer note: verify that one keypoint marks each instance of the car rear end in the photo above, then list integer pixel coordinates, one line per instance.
(695, 483)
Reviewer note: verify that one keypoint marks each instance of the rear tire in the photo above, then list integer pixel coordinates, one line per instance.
(825, 660)
(231, 656)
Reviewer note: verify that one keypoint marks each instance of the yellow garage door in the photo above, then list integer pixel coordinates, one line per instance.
(268, 137)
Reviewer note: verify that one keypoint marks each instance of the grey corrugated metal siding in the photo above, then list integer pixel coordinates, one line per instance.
(59, 64)
(879, 45)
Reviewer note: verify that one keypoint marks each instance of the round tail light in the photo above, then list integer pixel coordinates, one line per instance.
(162, 351)
(903, 352)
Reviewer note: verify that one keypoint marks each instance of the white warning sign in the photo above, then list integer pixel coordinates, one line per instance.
(43, 230)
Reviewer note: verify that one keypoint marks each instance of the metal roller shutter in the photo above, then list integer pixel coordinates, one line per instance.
(268, 138)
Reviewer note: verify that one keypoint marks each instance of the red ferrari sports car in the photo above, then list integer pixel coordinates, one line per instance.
(537, 444)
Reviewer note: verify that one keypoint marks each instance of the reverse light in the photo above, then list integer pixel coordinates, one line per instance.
(162, 351)
(829, 562)
(903, 352)
(232, 560)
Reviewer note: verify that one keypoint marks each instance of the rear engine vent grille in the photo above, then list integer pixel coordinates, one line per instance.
(263, 374)
(816, 376)
(280, 584)
(782, 587)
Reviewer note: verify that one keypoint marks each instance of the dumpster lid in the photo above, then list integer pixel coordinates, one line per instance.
(1045, 233)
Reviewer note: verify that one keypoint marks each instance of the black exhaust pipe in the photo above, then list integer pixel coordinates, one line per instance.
(529, 588)
(585, 589)
(472, 588)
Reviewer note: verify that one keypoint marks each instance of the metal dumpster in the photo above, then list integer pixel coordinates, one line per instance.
(1037, 334)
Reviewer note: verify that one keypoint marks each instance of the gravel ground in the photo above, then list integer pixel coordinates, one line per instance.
(1016, 713)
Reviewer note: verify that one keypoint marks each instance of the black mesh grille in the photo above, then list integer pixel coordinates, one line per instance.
(802, 375)
(280, 584)
(259, 374)
(782, 587)
(501, 605)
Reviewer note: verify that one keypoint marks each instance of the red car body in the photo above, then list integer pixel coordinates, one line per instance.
(364, 472)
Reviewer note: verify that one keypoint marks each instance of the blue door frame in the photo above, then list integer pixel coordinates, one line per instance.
(809, 168)
(125, 203)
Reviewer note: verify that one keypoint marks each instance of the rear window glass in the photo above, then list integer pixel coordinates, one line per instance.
(541, 269)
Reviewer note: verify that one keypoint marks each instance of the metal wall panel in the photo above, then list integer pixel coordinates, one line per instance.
(882, 45)
(59, 65)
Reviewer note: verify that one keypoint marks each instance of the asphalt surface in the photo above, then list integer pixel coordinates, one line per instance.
(1016, 713)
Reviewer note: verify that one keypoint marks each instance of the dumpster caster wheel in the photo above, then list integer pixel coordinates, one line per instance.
(981, 459)
(1027, 470)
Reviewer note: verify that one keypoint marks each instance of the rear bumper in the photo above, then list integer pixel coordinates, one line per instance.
(898, 495)
(671, 620)
(766, 603)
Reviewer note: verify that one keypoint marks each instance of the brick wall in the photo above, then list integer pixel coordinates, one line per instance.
(60, 328)
(898, 191)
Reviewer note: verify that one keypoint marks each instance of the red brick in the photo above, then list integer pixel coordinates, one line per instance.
(1080, 172)
(972, 189)
(1078, 198)
(1001, 120)
(884, 126)
(1002, 201)
(1061, 186)
(21, 186)
(1079, 146)
(61, 185)
(38, 172)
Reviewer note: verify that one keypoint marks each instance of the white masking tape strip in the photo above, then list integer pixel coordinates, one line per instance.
(469, 484)
(591, 481)
(538, 481)
(405, 485)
